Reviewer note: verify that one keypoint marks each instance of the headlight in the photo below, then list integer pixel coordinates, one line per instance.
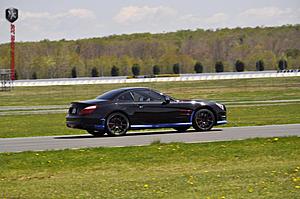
(221, 106)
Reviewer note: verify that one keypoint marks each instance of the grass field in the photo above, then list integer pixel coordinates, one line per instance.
(259, 168)
(230, 91)
(221, 90)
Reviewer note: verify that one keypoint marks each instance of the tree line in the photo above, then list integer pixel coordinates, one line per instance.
(185, 51)
(198, 68)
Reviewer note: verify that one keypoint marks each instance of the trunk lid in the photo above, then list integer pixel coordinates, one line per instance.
(76, 107)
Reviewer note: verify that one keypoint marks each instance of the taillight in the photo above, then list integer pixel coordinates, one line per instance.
(88, 110)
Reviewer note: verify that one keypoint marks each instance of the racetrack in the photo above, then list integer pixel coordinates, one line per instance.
(142, 138)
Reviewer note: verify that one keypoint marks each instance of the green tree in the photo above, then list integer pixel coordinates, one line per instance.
(34, 75)
(239, 66)
(282, 64)
(52, 59)
(135, 69)
(167, 61)
(293, 53)
(198, 67)
(176, 68)
(16, 75)
(156, 70)
(260, 65)
(219, 67)
(74, 72)
(115, 71)
(94, 72)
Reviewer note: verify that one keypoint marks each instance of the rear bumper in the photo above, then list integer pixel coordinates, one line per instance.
(85, 123)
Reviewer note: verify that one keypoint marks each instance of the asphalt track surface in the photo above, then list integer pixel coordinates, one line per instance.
(142, 138)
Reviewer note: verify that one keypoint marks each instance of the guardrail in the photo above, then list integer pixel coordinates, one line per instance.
(183, 77)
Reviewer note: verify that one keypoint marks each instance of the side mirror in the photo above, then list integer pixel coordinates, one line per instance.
(167, 100)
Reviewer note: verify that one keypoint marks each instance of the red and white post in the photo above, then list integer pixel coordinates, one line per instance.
(11, 15)
(12, 50)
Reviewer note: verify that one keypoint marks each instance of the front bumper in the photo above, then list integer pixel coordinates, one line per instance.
(221, 118)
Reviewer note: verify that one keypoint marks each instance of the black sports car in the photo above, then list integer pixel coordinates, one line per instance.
(116, 111)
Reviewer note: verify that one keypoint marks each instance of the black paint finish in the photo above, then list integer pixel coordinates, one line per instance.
(144, 107)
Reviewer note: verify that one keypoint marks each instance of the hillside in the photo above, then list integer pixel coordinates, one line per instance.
(51, 59)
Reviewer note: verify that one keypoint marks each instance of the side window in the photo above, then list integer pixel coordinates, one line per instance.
(155, 96)
(139, 97)
(147, 96)
(125, 97)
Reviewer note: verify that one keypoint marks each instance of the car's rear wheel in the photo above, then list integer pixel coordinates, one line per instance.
(203, 120)
(96, 132)
(182, 128)
(117, 124)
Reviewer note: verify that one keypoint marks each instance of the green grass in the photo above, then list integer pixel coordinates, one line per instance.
(54, 124)
(259, 168)
(221, 90)
(35, 125)
(264, 115)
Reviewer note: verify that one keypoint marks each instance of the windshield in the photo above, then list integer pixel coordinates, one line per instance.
(110, 95)
(171, 98)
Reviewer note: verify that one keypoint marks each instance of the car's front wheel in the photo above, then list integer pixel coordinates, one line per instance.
(96, 133)
(117, 124)
(203, 120)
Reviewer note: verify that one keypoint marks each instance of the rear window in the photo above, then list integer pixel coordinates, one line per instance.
(110, 95)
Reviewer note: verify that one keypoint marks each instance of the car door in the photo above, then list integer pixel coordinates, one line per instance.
(125, 103)
(151, 109)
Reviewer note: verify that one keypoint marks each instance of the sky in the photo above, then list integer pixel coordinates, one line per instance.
(77, 19)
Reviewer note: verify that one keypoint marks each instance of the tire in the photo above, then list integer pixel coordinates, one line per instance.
(117, 124)
(203, 120)
(182, 128)
(96, 133)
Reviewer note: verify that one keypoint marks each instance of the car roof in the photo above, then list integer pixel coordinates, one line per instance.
(114, 93)
(132, 88)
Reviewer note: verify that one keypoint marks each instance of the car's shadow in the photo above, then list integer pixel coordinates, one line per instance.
(133, 134)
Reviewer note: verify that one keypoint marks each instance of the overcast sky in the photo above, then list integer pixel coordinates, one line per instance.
(74, 19)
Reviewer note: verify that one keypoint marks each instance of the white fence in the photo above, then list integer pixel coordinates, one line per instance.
(184, 77)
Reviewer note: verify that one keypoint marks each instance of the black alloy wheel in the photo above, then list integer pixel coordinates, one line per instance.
(96, 133)
(117, 124)
(203, 120)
